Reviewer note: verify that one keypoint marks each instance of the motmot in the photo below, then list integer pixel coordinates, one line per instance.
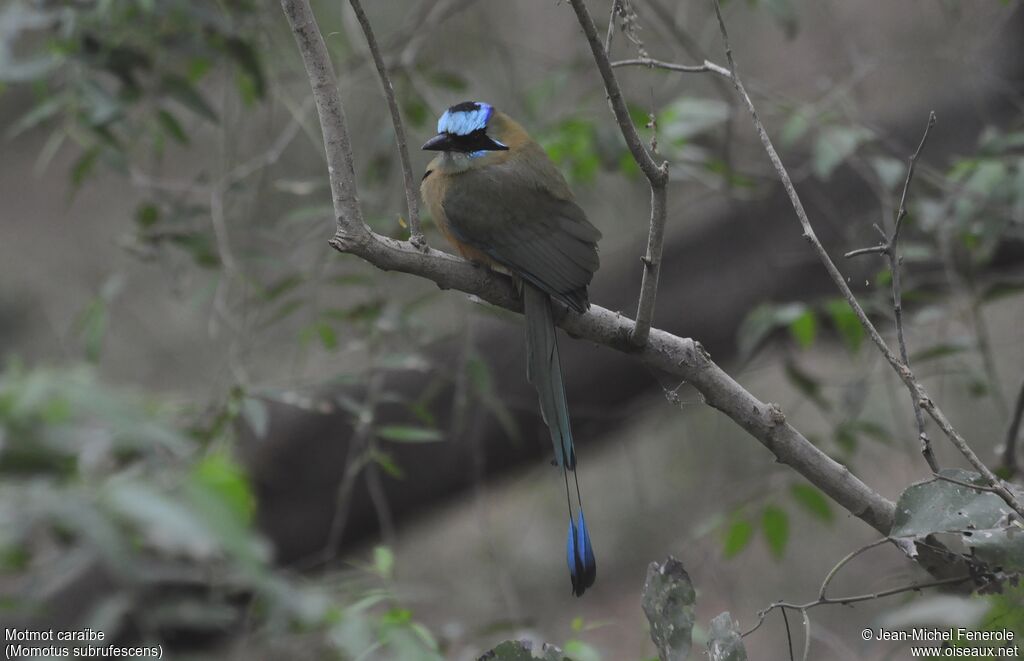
(501, 202)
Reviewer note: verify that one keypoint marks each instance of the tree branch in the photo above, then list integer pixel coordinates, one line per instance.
(657, 176)
(412, 194)
(338, 147)
(822, 601)
(681, 357)
(889, 249)
(920, 396)
(669, 66)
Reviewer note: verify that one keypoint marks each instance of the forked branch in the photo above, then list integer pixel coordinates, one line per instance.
(657, 176)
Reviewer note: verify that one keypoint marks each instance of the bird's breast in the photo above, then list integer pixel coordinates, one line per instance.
(433, 188)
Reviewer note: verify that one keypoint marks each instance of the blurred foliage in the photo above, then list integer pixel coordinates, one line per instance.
(107, 489)
(116, 76)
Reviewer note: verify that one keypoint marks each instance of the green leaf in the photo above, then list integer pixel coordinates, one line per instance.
(785, 16)
(253, 83)
(283, 311)
(387, 464)
(724, 641)
(737, 537)
(171, 126)
(761, 321)
(688, 117)
(328, 336)
(669, 604)
(984, 522)
(408, 434)
(890, 171)
(942, 350)
(577, 650)
(804, 328)
(83, 166)
(383, 561)
(185, 93)
(147, 215)
(936, 505)
(775, 527)
(812, 500)
(844, 319)
(282, 286)
(92, 325)
(1003, 288)
(448, 80)
(223, 477)
(795, 128)
(254, 412)
(200, 246)
(834, 145)
(39, 113)
(572, 144)
(807, 384)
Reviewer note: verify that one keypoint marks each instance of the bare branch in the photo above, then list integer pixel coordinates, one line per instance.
(349, 215)
(839, 565)
(890, 249)
(897, 294)
(902, 213)
(853, 599)
(611, 27)
(682, 357)
(920, 396)
(967, 485)
(412, 195)
(670, 66)
(657, 176)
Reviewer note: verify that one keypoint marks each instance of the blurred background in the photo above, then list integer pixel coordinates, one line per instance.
(218, 434)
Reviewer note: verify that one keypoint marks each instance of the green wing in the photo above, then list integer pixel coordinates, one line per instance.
(536, 231)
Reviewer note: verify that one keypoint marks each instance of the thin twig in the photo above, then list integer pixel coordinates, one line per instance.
(1009, 453)
(807, 634)
(789, 634)
(670, 66)
(611, 27)
(839, 565)
(412, 196)
(853, 598)
(653, 171)
(920, 395)
(953, 480)
(657, 176)
(890, 249)
(355, 461)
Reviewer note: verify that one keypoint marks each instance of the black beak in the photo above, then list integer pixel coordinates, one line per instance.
(440, 142)
(476, 141)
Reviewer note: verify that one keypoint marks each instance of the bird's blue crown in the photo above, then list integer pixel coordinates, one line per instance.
(465, 118)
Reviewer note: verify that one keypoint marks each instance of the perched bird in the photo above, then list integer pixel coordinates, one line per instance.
(500, 201)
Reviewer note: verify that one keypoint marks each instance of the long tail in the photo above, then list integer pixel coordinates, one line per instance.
(544, 371)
